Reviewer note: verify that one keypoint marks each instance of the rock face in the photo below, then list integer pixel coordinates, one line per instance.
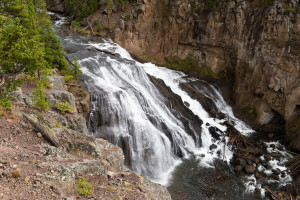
(259, 43)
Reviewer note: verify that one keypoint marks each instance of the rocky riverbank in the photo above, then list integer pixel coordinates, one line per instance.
(32, 168)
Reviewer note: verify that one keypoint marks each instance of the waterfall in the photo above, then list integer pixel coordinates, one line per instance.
(148, 111)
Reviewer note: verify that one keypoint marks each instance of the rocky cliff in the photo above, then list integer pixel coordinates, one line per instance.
(257, 41)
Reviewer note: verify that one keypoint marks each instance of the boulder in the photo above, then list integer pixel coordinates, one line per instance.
(212, 147)
(17, 96)
(250, 169)
(57, 96)
(238, 168)
(57, 82)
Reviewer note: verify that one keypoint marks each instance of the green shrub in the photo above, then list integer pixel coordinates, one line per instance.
(127, 17)
(69, 78)
(64, 107)
(76, 70)
(39, 96)
(290, 10)
(76, 25)
(84, 187)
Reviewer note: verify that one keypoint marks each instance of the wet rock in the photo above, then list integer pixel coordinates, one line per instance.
(270, 135)
(267, 157)
(275, 155)
(186, 104)
(276, 171)
(238, 168)
(214, 132)
(250, 169)
(249, 162)
(257, 175)
(242, 162)
(273, 146)
(212, 147)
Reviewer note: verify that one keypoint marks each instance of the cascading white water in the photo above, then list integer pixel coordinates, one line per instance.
(133, 111)
(151, 113)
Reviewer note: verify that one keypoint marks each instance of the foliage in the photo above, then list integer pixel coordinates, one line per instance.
(64, 107)
(80, 9)
(39, 96)
(76, 24)
(189, 63)
(290, 10)
(27, 43)
(76, 71)
(127, 17)
(84, 187)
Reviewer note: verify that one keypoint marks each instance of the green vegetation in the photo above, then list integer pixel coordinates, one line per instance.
(84, 187)
(189, 63)
(40, 96)
(251, 112)
(28, 45)
(71, 74)
(127, 17)
(81, 9)
(290, 10)
(64, 107)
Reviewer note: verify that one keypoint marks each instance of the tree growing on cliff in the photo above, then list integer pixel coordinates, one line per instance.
(27, 44)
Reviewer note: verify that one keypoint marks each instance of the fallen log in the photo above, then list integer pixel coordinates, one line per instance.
(45, 133)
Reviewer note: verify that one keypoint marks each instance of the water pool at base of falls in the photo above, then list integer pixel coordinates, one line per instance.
(171, 127)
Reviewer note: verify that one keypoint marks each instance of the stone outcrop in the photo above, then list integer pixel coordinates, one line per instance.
(80, 155)
(257, 42)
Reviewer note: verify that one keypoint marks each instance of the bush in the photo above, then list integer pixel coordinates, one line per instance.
(64, 107)
(84, 187)
(69, 78)
(76, 70)
(40, 96)
(17, 173)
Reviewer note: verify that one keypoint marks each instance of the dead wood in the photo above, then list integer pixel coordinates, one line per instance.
(46, 134)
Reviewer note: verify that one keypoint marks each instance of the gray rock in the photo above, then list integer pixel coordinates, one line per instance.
(57, 96)
(156, 191)
(89, 167)
(4, 173)
(242, 162)
(57, 82)
(212, 147)
(121, 24)
(17, 96)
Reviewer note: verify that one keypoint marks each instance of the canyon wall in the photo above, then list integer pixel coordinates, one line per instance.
(259, 43)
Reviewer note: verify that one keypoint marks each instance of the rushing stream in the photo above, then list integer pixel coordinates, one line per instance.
(170, 126)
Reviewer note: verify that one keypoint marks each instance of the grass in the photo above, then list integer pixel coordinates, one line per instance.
(16, 173)
(84, 188)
